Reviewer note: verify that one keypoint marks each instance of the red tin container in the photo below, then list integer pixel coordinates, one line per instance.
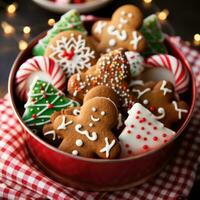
(98, 174)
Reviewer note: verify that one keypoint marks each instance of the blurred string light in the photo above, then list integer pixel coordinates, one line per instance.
(22, 45)
(162, 15)
(51, 22)
(196, 39)
(11, 9)
(8, 29)
(27, 30)
(147, 1)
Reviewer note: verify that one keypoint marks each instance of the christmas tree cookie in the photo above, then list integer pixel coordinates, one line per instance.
(43, 100)
(69, 21)
(152, 32)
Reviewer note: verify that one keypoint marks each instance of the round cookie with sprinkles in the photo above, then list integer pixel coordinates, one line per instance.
(43, 100)
(89, 133)
(111, 70)
(73, 51)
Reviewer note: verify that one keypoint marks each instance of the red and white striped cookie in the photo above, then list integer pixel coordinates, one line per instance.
(42, 67)
(143, 132)
(181, 76)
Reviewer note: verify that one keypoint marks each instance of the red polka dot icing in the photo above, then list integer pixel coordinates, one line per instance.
(145, 132)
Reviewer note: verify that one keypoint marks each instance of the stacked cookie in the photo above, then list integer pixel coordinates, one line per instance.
(89, 95)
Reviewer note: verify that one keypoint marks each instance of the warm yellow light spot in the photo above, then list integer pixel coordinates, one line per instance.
(197, 39)
(22, 45)
(26, 29)
(51, 22)
(147, 1)
(11, 9)
(7, 28)
(162, 15)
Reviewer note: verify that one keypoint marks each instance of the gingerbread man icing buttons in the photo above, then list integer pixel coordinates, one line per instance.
(73, 51)
(143, 132)
(111, 70)
(160, 99)
(89, 134)
(121, 31)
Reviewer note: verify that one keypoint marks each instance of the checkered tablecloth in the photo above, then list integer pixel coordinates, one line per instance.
(20, 178)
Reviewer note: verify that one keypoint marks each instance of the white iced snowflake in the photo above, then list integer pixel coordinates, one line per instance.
(81, 59)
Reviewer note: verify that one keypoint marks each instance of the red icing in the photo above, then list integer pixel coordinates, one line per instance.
(155, 138)
(132, 126)
(155, 128)
(149, 123)
(148, 132)
(127, 145)
(50, 106)
(165, 141)
(142, 128)
(138, 136)
(34, 116)
(145, 138)
(129, 152)
(68, 54)
(152, 108)
(138, 112)
(145, 147)
(129, 131)
(164, 135)
(59, 94)
(137, 117)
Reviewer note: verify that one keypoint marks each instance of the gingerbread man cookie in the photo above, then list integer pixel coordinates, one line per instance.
(159, 98)
(73, 51)
(121, 30)
(89, 134)
(111, 70)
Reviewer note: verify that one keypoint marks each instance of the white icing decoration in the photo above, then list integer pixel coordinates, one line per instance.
(103, 113)
(140, 93)
(94, 109)
(123, 13)
(119, 26)
(130, 15)
(136, 40)
(64, 125)
(91, 137)
(112, 42)
(79, 143)
(94, 119)
(145, 130)
(91, 124)
(75, 152)
(123, 21)
(76, 112)
(52, 132)
(120, 123)
(100, 26)
(160, 111)
(179, 110)
(108, 147)
(136, 82)
(81, 59)
(164, 89)
(120, 34)
(145, 102)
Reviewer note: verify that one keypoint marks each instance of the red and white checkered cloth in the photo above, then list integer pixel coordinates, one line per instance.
(20, 178)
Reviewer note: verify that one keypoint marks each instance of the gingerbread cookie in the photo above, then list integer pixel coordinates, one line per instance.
(121, 31)
(89, 134)
(69, 21)
(73, 51)
(43, 100)
(159, 98)
(143, 132)
(111, 70)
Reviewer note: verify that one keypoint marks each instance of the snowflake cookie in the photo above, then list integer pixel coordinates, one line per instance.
(73, 51)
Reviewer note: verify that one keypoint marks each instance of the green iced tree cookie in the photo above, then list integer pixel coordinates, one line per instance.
(43, 100)
(69, 21)
(151, 30)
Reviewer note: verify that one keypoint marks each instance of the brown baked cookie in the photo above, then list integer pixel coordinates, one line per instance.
(50, 136)
(121, 30)
(160, 99)
(111, 70)
(73, 51)
(89, 134)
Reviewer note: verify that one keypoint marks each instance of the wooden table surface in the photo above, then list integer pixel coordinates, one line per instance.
(183, 17)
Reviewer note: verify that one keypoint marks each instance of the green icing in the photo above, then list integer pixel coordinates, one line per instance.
(69, 21)
(151, 30)
(43, 100)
